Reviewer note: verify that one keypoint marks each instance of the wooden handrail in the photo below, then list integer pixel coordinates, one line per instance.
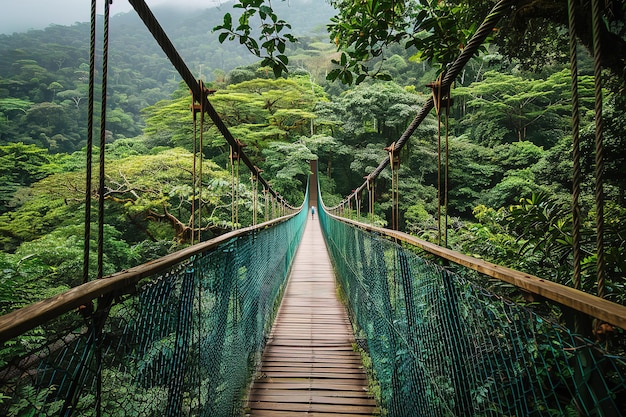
(20, 321)
(604, 310)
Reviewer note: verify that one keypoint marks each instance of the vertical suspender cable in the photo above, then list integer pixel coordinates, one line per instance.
(575, 146)
(235, 153)
(255, 198)
(266, 195)
(597, 72)
(101, 190)
(232, 187)
(89, 151)
(194, 113)
(437, 103)
(201, 156)
(447, 171)
(103, 112)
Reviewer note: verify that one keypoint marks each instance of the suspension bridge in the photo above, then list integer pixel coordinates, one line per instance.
(317, 315)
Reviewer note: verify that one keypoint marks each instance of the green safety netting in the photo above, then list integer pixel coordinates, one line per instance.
(440, 345)
(185, 343)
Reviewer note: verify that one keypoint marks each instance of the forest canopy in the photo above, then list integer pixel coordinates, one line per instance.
(509, 132)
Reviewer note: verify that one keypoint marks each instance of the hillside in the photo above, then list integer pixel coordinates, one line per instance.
(48, 68)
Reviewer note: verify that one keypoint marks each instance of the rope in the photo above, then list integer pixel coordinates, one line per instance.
(194, 110)
(266, 213)
(234, 172)
(255, 196)
(395, 192)
(202, 100)
(436, 89)
(370, 194)
(447, 170)
(103, 118)
(89, 150)
(101, 308)
(599, 195)
(576, 221)
(442, 96)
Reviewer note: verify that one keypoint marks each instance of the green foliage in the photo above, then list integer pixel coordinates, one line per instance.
(20, 166)
(288, 165)
(273, 42)
(514, 184)
(529, 109)
(362, 30)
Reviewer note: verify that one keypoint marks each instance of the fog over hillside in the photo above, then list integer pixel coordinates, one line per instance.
(23, 15)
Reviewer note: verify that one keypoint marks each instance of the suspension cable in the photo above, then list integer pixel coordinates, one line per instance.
(103, 118)
(599, 173)
(576, 221)
(266, 197)
(146, 15)
(203, 93)
(395, 189)
(97, 340)
(195, 108)
(370, 202)
(441, 97)
(235, 157)
(447, 103)
(255, 195)
(436, 91)
(89, 150)
(485, 29)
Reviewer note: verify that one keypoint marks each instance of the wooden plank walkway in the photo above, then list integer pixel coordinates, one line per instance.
(309, 366)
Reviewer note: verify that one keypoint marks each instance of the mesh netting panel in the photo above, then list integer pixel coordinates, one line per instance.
(442, 346)
(185, 343)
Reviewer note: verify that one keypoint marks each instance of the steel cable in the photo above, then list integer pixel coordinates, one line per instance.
(89, 147)
(103, 118)
(599, 147)
(170, 51)
(486, 28)
(575, 146)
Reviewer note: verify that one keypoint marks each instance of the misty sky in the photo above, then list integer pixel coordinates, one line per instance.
(21, 15)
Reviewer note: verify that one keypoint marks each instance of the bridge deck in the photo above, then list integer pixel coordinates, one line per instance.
(309, 366)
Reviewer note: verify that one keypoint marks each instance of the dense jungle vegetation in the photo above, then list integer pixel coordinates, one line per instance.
(509, 137)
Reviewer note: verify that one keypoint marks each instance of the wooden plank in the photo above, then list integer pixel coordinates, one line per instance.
(309, 365)
(274, 413)
(308, 384)
(306, 408)
(306, 397)
(320, 393)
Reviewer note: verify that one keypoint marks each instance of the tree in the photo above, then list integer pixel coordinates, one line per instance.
(288, 165)
(272, 48)
(20, 166)
(147, 190)
(527, 107)
(381, 109)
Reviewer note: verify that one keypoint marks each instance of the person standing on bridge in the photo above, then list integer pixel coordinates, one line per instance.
(312, 212)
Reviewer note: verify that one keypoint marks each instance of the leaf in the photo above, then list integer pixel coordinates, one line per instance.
(277, 70)
(228, 20)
